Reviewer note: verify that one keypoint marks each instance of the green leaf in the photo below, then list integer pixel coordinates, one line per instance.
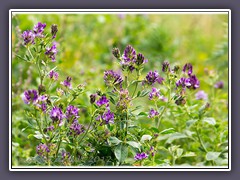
(138, 94)
(112, 100)
(146, 138)
(212, 156)
(121, 152)
(144, 93)
(175, 136)
(134, 144)
(179, 152)
(189, 154)
(210, 120)
(168, 131)
(114, 141)
(142, 114)
(190, 122)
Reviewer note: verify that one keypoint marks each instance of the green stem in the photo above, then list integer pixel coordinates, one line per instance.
(138, 74)
(126, 126)
(200, 139)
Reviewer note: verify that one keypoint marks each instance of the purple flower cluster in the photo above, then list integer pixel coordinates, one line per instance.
(140, 156)
(152, 78)
(38, 29)
(72, 113)
(52, 51)
(124, 100)
(42, 102)
(131, 60)
(152, 113)
(108, 117)
(188, 67)
(112, 78)
(67, 82)
(30, 96)
(154, 94)
(191, 82)
(53, 75)
(57, 115)
(102, 101)
(28, 37)
(76, 129)
(42, 149)
(219, 85)
(201, 95)
(65, 155)
(165, 66)
(50, 128)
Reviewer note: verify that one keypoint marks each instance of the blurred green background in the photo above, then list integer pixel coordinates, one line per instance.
(85, 43)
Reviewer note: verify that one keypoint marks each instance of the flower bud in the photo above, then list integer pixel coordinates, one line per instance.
(165, 66)
(41, 89)
(116, 53)
(54, 30)
(140, 59)
(93, 98)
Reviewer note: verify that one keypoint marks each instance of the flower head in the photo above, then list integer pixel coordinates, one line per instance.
(53, 75)
(112, 78)
(38, 29)
(154, 94)
(140, 156)
(188, 67)
(108, 117)
(52, 51)
(28, 37)
(57, 115)
(153, 113)
(42, 149)
(165, 66)
(54, 30)
(141, 59)
(116, 53)
(72, 113)
(129, 55)
(67, 82)
(152, 78)
(30, 96)
(103, 101)
(201, 95)
(76, 129)
(93, 98)
(219, 85)
(124, 100)
(65, 155)
(192, 82)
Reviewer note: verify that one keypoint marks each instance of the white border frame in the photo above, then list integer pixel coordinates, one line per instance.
(119, 11)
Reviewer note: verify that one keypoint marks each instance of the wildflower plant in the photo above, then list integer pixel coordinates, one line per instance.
(113, 135)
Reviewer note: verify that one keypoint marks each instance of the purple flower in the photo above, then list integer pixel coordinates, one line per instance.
(154, 94)
(72, 113)
(129, 55)
(42, 149)
(53, 75)
(152, 78)
(67, 82)
(152, 113)
(57, 115)
(50, 128)
(165, 66)
(219, 85)
(188, 67)
(76, 129)
(140, 156)
(102, 101)
(112, 78)
(54, 30)
(44, 107)
(38, 29)
(201, 95)
(30, 96)
(192, 82)
(152, 151)
(65, 155)
(108, 117)
(28, 37)
(181, 82)
(52, 51)
(140, 59)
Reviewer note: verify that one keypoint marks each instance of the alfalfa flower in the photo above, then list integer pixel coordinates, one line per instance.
(152, 113)
(72, 113)
(108, 117)
(153, 77)
(38, 29)
(54, 30)
(52, 51)
(28, 37)
(165, 66)
(53, 75)
(140, 156)
(112, 78)
(57, 115)
(116, 53)
(76, 129)
(219, 85)
(67, 82)
(102, 101)
(42, 149)
(30, 96)
(201, 95)
(188, 68)
(154, 94)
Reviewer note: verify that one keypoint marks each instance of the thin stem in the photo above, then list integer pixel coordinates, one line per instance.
(126, 126)
(138, 74)
(200, 139)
